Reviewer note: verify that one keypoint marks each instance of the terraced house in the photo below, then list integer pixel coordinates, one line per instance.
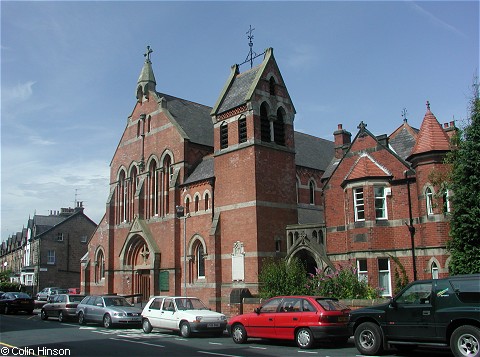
(200, 195)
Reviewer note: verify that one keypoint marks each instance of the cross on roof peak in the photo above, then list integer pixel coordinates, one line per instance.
(147, 54)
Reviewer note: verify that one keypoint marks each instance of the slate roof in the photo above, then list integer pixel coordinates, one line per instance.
(313, 152)
(204, 171)
(403, 139)
(44, 223)
(239, 89)
(193, 118)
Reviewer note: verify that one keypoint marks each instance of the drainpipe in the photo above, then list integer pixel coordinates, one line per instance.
(411, 228)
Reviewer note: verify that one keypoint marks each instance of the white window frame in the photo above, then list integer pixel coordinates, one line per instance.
(429, 200)
(383, 200)
(359, 203)
(362, 274)
(59, 237)
(434, 270)
(447, 204)
(386, 288)
(51, 257)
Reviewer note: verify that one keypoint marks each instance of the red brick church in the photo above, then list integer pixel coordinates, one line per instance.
(251, 187)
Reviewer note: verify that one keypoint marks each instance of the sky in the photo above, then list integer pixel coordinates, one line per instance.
(69, 72)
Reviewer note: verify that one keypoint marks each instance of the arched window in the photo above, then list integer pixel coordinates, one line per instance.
(242, 129)
(166, 178)
(122, 197)
(446, 201)
(434, 270)
(297, 187)
(271, 84)
(223, 135)
(206, 198)
(153, 188)
(133, 189)
(197, 201)
(265, 123)
(315, 236)
(200, 259)
(311, 186)
(149, 124)
(100, 267)
(429, 200)
(320, 237)
(279, 128)
(187, 205)
(139, 128)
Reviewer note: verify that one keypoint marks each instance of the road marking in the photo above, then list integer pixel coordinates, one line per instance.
(311, 352)
(215, 343)
(217, 354)
(258, 348)
(139, 342)
(87, 328)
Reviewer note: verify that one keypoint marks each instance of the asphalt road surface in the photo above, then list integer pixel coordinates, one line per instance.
(28, 335)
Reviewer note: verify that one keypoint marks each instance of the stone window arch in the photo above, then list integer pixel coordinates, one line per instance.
(197, 252)
(99, 265)
(429, 200)
(311, 190)
(279, 127)
(206, 199)
(196, 199)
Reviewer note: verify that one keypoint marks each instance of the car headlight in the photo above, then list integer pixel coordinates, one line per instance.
(223, 318)
(119, 314)
(198, 318)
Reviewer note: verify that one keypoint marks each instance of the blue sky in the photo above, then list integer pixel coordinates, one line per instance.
(69, 72)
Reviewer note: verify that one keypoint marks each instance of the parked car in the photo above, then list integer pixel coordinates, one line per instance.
(62, 307)
(74, 291)
(304, 319)
(437, 312)
(186, 315)
(108, 310)
(45, 293)
(12, 302)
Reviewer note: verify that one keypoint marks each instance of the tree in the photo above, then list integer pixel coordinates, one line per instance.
(464, 244)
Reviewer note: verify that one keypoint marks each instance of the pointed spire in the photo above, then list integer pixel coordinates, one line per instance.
(431, 136)
(146, 81)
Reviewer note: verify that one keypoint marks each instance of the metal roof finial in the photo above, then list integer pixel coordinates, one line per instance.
(404, 115)
(251, 54)
(147, 54)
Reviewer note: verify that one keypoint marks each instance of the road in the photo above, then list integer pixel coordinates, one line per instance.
(28, 335)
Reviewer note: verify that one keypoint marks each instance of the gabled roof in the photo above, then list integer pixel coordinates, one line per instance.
(431, 137)
(204, 171)
(313, 152)
(366, 167)
(403, 139)
(240, 87)
(192, 117)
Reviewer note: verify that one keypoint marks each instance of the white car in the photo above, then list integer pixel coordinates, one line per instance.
(184, 314)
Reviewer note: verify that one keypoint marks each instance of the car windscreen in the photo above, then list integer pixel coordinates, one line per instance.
(467, 290)
(190, 304)
(19, 296)
(75, 298)
(116, 301)
(332, 305)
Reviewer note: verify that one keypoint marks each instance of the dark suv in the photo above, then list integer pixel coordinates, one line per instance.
(437, 312)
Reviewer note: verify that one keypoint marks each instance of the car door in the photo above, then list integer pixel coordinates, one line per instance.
(95, 312)
(411, 315)
(262, 323)
(154, 313)
(287, 318)
(167, 315)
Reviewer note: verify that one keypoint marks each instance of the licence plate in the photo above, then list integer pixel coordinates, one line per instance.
(342, 318)
(24, 302)
(215, 324)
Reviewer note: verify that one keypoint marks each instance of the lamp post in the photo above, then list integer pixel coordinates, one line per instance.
(411, 228)
(180, 210)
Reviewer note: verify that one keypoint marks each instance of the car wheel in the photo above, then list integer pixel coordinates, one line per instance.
(107, 321)
(368, 338)
(81, 318)
(146, 326)
(465, 341)
(185, 329)
(61, 318)
(239, 335)
(304, 338)
(43, 315)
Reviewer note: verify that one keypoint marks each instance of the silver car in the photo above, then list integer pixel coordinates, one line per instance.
(108, 310)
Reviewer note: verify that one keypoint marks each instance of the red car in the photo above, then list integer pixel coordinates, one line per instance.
(300, 318)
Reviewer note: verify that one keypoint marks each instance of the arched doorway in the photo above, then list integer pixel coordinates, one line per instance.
(307, 259)
(138, 258)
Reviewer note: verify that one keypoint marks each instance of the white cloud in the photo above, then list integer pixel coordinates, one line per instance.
(19, 93)
(436, 20)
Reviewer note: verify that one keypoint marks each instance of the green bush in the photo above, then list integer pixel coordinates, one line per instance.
(341, 284)
(277, 277)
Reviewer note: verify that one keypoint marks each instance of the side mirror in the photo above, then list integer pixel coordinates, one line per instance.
(257, 310)
(393, 303)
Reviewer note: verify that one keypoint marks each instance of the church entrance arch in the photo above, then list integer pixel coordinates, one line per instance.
(139, 259)
(307, 259)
